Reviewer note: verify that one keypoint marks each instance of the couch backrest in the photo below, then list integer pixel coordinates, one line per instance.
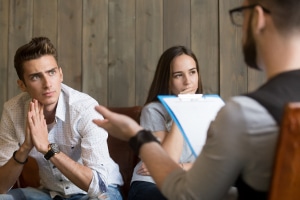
(30, 175)
(120, 151)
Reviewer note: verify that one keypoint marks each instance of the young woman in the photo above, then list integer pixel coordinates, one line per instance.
(177, 72)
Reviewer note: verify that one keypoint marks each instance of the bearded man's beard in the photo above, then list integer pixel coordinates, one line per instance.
(249, 48)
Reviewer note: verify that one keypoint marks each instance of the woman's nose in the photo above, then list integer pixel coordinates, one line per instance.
(187, 79)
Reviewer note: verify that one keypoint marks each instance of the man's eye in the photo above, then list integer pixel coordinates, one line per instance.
(35, 77)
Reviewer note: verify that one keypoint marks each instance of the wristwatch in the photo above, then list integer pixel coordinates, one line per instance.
(52, 150)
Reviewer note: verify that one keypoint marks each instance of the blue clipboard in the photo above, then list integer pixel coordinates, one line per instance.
(193, 114)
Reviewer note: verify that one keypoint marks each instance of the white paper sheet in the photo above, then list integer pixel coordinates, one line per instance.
(193, 115)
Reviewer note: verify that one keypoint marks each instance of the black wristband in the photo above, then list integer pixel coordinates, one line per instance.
(142, 137)
(14, 157)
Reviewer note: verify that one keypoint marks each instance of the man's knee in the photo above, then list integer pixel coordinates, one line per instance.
(13, 194)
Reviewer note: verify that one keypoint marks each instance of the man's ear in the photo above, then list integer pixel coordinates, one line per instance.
(22, 85)
(61, 74)
(259, 19)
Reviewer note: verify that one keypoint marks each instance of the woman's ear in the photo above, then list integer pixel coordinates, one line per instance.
(22, 85)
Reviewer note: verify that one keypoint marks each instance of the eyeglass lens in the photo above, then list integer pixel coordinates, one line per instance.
(237, 18)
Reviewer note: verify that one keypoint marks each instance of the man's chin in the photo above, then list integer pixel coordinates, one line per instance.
(48, 102)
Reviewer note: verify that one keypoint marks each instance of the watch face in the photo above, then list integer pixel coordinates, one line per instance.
(55, 148)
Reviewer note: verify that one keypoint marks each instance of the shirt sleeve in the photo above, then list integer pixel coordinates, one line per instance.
(222, 159)
(154, 118)
(94, 152)
(8, 139)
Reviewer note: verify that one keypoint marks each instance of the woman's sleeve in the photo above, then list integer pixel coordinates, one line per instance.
(153, 118)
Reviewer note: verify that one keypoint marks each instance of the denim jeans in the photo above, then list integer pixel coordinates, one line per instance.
(113, 193)
(144, 190)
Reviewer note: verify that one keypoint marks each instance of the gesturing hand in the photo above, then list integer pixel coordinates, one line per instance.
(117, 125)
(37, 126)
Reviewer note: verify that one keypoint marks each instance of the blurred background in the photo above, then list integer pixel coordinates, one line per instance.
(109, 48)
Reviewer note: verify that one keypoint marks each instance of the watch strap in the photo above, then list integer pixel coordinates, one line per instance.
(51, 152)
(142, 137)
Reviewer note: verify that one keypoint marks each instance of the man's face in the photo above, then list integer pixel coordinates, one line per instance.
(42, 79)
(249, 45)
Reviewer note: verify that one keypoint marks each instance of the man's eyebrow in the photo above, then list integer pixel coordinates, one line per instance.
(54, 68)
(34, 74)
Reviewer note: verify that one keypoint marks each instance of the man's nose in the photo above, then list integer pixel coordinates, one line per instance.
(47, 81)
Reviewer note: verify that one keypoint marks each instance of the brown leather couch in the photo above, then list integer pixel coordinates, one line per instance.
(119, 151)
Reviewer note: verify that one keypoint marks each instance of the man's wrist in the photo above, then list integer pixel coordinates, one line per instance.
(52, 150)
(17, 160)
(142, 137)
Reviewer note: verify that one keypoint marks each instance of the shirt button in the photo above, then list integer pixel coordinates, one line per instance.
(67, 187)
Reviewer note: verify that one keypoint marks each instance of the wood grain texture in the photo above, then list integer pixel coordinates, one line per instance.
(70, 41)
(233, 71)
(149, 45)
(20, 32)
(4, 24)
(95, 50)
(45, 19)
(177, 23)
(205, 42)
(121, 71)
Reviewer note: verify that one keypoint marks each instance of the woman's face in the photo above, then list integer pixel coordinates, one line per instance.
(184, 75)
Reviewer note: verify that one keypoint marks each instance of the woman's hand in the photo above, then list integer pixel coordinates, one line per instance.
(143, 170)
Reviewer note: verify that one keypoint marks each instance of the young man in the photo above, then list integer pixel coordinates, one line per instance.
(53, 123)
(241, 142)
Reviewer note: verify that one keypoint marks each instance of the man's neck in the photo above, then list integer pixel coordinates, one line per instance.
(49, 115)
(281, 55)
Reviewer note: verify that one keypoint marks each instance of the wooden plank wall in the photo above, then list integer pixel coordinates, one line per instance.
(109, 48)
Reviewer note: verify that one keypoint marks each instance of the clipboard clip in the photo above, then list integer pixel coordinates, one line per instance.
(190, 97)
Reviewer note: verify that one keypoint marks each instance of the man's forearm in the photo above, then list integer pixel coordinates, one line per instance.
(10, 172)
(78, 174)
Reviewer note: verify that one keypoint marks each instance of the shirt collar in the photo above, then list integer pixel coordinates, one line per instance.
(61, 106)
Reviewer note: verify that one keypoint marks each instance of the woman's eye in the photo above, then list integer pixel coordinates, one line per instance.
(193, 72)
(177, 75)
